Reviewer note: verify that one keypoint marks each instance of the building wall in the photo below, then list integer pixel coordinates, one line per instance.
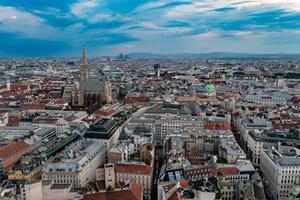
(199, 145)
(100, 174)
(217, 125)
(166, 126)
(110, 178)
(78, 179)
(200, 173)
(280, 179)
(255, 149)
(230, 158)
(35, 174)
(59, 194)
(32, 191)
(114, 157)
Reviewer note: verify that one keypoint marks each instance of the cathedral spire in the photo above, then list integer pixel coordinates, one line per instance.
(85, 70)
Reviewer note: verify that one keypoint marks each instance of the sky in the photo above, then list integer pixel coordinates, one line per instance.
(30, 28)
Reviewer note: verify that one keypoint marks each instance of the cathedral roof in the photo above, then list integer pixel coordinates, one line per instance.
(93, 84)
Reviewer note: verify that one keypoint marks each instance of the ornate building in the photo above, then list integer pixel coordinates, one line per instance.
(210, 90)
(85, 70)
(89, 92)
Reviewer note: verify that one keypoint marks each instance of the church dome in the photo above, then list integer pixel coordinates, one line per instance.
(209, 89)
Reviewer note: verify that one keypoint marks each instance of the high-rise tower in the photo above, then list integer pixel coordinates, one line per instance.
(85, 70)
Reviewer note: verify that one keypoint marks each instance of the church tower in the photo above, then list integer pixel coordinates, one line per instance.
(8, 84)
(85, 70)
(110, 179)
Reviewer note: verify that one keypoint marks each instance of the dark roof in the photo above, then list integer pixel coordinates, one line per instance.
(60, 186)
(102, 129)
(170, 108)
(26, 120)
(93, 84)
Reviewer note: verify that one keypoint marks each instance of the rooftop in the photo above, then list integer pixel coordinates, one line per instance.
(169, 108)
(102, 129)
(93, 85)
(231, 146)
(75, 157)
(133, 192)
(131, 167)
(10, 149)
(285, 156)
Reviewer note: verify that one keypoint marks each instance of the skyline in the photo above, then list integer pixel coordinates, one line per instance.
(54, 28)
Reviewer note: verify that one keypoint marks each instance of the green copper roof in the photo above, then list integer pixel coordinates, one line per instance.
(209, 88)
(296, 189)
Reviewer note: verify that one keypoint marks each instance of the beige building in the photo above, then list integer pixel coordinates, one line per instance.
(46, 190)
(76, 165)
(256, 148)
(281, 170)
(110, 179)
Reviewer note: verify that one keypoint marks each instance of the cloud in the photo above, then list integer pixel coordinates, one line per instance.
(83, 7)
(23, 23)
(207, 35)
(152, 24)
(100, 18)
(160, 5)
(242, 33)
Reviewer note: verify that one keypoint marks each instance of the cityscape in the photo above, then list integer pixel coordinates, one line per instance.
(150, 100)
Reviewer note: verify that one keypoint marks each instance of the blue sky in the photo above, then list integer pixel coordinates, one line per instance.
(108, 27)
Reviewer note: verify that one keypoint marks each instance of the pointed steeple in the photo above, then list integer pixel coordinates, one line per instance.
(8, 84)
(85, 70)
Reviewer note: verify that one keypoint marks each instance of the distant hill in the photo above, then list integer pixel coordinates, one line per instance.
(217, 55)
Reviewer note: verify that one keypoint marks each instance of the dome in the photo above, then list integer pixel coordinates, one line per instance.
(209, 89)
(296, 189)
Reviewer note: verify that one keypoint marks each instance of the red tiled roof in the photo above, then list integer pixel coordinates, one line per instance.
(175, 196)
(135, 169)
(33, 106)
(59, 101)
(184, 184)
(139, 99)
(10, 149)
(134, 192)
(227, 171)
(137, 190)
(18, 87)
